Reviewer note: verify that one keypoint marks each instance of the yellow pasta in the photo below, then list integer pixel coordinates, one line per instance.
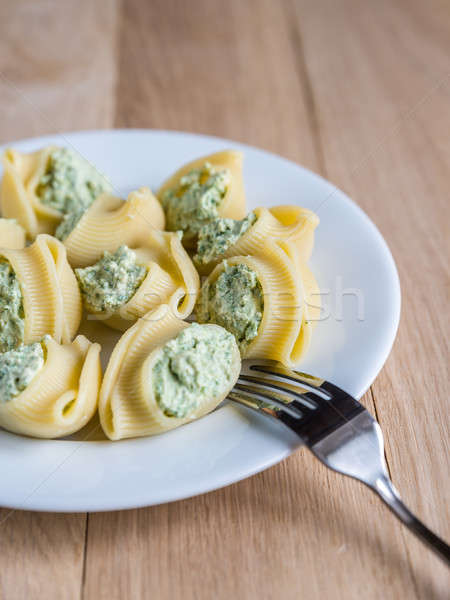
(288, 287)
(63, 395)
(290, 223)
(12, 235)
(51, 298)
(281, 224)
(18, 198)
(40, 188)
(110, 222)
(233, 203)
(171, 279)
(127, 405)
(151, 292)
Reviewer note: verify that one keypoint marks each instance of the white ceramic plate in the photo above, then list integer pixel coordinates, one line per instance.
(353, 266)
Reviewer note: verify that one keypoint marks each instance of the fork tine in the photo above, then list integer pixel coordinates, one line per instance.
(249, 401)
(301, 394)
(277, 369)
(273, 398)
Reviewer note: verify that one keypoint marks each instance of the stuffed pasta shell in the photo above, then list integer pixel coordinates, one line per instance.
(125, 285)
(48, 390)
(265, 301)
(12, 235)
(164, 373)
(39, 294)
(109, 222)
(38, 189)
(224, 238)
(201, 191)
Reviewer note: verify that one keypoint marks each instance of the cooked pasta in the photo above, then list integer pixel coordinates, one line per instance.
(145, 390)
(12, 235)
(49, 296)
(262, 300)
(204, 189)
(39, 188)
(110, 222)
(166, 276)
(60, 395)
(223, 239)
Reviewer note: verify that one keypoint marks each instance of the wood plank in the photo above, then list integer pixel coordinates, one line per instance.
(41, 555)
(239, 70)
(57, 72)
(222, 68)
(57, 66)
(294, 531)
(386, 141)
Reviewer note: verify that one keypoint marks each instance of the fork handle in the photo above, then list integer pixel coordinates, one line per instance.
(385, 489)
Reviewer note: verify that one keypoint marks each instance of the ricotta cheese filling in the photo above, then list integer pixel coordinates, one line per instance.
(193, 368)
(70, 182)
(12, 317)
(112, 281)
(18, 368)
(68, 224)
(196, 199)
(234, 301)
(217, 236)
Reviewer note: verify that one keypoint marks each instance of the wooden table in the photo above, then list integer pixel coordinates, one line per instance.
(355, 90)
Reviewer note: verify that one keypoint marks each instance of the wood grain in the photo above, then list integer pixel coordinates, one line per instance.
(41, 555)
(357, 91)
(57, 66)
(387, 144)
(57, 73)
(213, 67)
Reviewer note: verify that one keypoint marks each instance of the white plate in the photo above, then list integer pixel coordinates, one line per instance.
(351, 261)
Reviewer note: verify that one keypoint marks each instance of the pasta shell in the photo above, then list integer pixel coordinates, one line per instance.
(127, 406)
(111, 221)
(281, 224)
(171, 279)
(285, 330)
(18, 199)
(297, 225)
(51, 298)
(63, 395)
(12, 235)
(233, 205)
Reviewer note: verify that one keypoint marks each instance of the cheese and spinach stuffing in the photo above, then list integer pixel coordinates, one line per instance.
(18, 367)
(217, 236)
(234, 301)
(112, 281)
(195, 200)
(12, 317)
(70, 182)
(69, 185)
(193, 368)
(68, 224)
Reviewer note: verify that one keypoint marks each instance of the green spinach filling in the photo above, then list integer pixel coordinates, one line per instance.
(112, 281)
(18, 368)
(217, 236)
(193, 368)
(12, 317)
(69, 185)
(234, 301)
(196, 199)
(68, 224)
(70, 182)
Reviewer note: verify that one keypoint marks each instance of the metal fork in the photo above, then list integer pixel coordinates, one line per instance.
(337, 429)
